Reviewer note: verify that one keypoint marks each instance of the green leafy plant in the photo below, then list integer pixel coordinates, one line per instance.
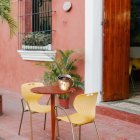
(5, 15)
(63, 96)
(63, 64)
(37, 39)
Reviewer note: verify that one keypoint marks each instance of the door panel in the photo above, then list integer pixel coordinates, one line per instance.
(116, 46)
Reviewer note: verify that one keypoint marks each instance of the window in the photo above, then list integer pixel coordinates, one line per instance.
(41, 15)
(35, 33)
(35, 20)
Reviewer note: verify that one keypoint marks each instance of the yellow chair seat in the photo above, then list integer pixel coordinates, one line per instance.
(77, 119)
(35, 107)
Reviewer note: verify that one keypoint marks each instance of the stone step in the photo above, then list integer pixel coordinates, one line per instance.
(118, 114)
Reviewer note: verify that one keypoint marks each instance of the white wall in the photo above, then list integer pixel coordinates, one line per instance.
(135, 52)
(93, 46)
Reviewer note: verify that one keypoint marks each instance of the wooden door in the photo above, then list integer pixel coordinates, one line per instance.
(116, 46)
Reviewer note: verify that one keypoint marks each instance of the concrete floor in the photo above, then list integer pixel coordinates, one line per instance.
(109, 128)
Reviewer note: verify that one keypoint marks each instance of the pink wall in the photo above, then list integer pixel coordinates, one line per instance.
(13, 70)
(69, 28)
(69, 35)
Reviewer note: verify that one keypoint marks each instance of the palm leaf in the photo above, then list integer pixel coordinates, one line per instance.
(66, 62)
(70, 65)
(5, 15)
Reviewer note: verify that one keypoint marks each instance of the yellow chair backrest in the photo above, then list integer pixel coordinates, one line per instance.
(130, 67)
(86, 104)
(136, 63)
(27, 94)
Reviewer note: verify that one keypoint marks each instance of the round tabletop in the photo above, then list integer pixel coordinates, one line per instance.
(51, 90)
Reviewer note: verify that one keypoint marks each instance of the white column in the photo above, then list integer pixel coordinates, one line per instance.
(93, 46)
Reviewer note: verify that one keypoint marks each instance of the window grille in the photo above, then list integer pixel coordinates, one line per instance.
(35, 24)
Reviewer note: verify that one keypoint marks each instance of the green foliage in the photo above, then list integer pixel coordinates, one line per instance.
(5, 15)
(37, 39)
(63, 96)
(63, 64)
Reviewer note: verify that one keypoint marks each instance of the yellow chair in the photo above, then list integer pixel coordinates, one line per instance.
(85, 106)
(30, 102)
(133, 66)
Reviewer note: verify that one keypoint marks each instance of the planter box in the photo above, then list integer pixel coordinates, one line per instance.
(64, 103)
(37, 48)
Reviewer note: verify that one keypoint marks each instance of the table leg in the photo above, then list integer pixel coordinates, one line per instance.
(53, 115)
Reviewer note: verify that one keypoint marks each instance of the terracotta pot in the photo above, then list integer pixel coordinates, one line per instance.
(74, 94)
(64, 103)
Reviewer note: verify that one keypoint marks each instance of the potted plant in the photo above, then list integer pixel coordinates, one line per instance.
(63, 64)
(37, 41)
(64, 100)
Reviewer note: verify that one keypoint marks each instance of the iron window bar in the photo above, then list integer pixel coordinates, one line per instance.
(37, 19)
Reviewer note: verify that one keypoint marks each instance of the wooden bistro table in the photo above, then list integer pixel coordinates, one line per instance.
(52, 90)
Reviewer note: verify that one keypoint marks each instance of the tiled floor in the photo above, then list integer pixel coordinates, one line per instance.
(131, 105)
(109, 128)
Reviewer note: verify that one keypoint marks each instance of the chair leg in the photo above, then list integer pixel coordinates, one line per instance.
(57, 127)
(97, 131)
(56, 123)
(132, 81)
(20, 122)
(45, 121)
(79, 132)
(72, 131)
(31, 125)
(131, 78)
(68, 119)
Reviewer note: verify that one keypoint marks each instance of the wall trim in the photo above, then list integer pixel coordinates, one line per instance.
(37, 55)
